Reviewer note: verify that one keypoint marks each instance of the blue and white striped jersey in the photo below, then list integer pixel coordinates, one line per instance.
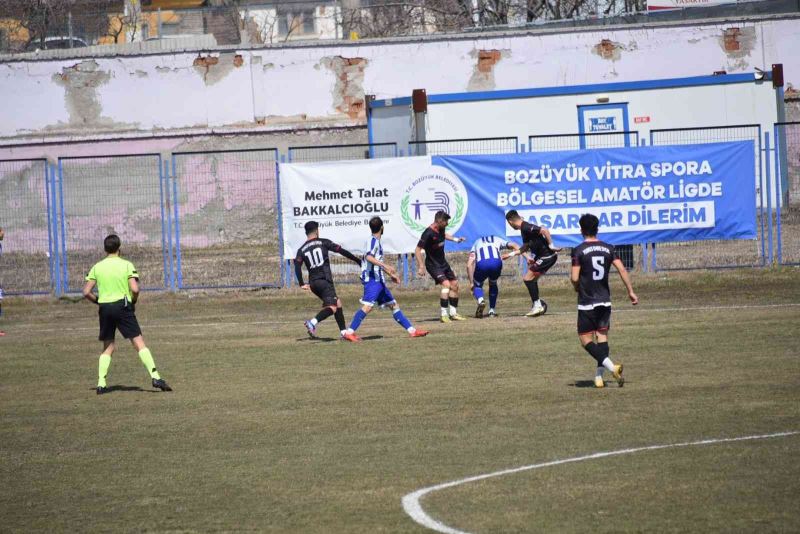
(488, 247)
(371, 272)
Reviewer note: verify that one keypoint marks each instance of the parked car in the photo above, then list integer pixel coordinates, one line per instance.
(56, 43)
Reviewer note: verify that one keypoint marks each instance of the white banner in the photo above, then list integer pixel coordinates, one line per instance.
(656, 5)
(343, 196)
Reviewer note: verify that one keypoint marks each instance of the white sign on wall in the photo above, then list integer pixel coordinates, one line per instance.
(343, 196)
(656, 5)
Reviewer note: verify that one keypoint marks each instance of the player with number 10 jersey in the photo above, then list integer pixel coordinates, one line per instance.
(314, 255)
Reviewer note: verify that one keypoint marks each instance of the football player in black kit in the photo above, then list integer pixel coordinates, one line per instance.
(591, 263)
(539, 242)
(432, 242)
(314, 254)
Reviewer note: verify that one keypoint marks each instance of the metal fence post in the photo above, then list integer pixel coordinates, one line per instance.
(285, 280)
(779, 144)
(63, 254)
(759, 166)
(768, 177)
(166, 210)
(56, 255)
(49, 224)
(177, 226)
(163, 221)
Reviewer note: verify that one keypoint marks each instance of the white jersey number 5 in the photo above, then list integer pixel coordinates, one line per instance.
(598, 263)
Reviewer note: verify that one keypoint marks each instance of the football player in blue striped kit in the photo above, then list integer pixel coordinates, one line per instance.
(373, 271)
(486, 261)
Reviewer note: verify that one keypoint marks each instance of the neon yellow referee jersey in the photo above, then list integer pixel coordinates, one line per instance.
(112, 275)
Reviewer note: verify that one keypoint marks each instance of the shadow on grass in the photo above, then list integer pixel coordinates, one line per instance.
(329, 339)
(589, 384)
(119, 387)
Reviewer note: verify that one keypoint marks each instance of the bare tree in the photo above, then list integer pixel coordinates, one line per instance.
(37, 18)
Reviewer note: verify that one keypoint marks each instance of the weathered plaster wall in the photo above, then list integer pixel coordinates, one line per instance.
(317, 86)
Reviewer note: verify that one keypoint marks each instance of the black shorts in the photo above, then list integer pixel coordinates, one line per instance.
(326, 291)
(542, 265)
(597, 320)
(440, 273)
(117, 316)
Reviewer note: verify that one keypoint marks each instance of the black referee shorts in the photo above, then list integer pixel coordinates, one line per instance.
(326, 291)
(117, 316)
(597, 320)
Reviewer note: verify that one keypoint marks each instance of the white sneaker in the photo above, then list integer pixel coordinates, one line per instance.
(536, 310)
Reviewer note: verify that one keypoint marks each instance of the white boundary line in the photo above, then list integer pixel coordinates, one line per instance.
(30, 327)
(412, 506)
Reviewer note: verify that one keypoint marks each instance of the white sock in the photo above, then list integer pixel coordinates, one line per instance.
(599, 373)
(453, 310)
(350, 331)
(480, 300)
(343, 332)
(444, 312)
(313, 321)
(411, 329)
(608, 364)
(491, 310)
(537, 303)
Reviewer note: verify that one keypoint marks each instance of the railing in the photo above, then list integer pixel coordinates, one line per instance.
(453, 147)
(580, 141)
(211, 219)
(716, 254)
(301, 154)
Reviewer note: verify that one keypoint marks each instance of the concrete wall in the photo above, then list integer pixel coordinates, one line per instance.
(313, 87)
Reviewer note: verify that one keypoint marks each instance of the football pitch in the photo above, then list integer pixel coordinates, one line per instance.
(269, 431)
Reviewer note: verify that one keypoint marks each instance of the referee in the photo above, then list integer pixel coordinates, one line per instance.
(117, 291)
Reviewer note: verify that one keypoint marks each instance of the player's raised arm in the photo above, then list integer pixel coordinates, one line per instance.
(546, 234)
(344, 252)
(515, 250)
(626, 279)
(454, 239)
(388, 269)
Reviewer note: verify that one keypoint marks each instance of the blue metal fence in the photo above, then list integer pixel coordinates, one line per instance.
(226, 216)
(581, 141)
(212, 219)
(715, 254)
(99, 195)
(785, 167)
(308, 154)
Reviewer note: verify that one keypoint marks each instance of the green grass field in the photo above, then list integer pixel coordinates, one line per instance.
(268, 431)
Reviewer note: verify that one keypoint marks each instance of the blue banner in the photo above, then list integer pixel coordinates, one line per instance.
(644, 194)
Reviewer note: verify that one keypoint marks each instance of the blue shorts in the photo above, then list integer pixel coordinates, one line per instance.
(376, 293)
(490, 268)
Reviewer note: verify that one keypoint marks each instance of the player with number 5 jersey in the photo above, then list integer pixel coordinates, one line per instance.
(591, 264)
(314, 255)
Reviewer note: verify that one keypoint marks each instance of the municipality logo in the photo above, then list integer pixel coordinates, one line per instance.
(436, 190)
